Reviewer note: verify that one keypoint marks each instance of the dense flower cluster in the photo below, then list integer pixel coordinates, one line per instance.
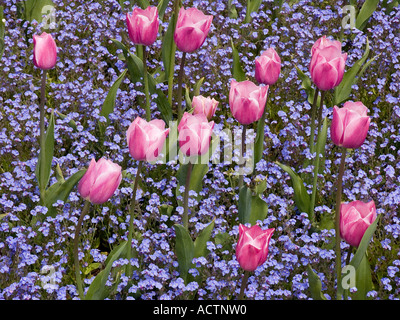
(36, 259)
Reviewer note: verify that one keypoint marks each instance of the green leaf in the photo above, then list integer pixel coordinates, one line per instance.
(32, 9)
(301, 197)
(259, 209)
(259, 142)
(307, 86)
(343, 90)
(184, 250)
(365, 13)
(168, 46)
(98, 289)
(61, 190)
(143, 3)
(2, 32)
(244, 205)
(199, 170)
(109, 101)
(196, 88)
(363, 280)
(252, 6)
(71, 123)
(43, 167)
(200, 244)
(237, 69)
(161, 7)
(314, 284)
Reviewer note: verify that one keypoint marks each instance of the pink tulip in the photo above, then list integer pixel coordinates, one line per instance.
(143, 25)
(146, 139)
(355, 218)
(327, 63)
(252, 246)
(194, 134)
(100, 181)
(350, 125)
(247, 101)
(268, 67)
(44, 51)
(191, 29)
(206, 106)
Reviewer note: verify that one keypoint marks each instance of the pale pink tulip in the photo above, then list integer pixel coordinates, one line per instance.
(100, 181)
(44, 51)
(268, 67)
(143, 25)
(206, 106)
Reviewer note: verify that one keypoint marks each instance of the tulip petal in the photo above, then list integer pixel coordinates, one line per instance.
(356, 132)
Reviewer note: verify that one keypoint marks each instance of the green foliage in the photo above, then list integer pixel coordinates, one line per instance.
(32, 9)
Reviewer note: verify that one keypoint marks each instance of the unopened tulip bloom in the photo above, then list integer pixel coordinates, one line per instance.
(143, 25)
(206, 106)
(194, 134)
(327, 63)
(252, 246)
(350, 125)
(247, 101)
(355, 218)
(100, 181)
(268, 67)
(44, 51)
(191, 30)
(146, 139)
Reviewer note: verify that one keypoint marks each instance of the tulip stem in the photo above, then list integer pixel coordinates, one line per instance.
(131, 218)
(146, 83)
(185, 218)
(244, 284)
(42, 138)
(313, 116)
(180, 81)
(241, 176)
(337, 221)
(76, 255)
(320, 111)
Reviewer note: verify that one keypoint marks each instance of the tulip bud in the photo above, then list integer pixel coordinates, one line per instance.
(206, 106)
(143, 25)
(327, 63)
(100, 181)
(355, 218)
(191, 29)
(350, 125)
(146, 139)
(44, 51)
(252, 246)
(247, 101)
(268, 67)
(194, 134)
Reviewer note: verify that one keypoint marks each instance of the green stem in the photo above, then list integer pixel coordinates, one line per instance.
(313, 116)
(320, 112)
(146, 83)
(337, 221)
(185, 218)
(244, 284)
(42, 138)
(241, 176)
(131, 218)
(180, 81)
(76, 255)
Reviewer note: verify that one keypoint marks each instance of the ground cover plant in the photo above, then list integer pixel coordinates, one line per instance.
(199, 150)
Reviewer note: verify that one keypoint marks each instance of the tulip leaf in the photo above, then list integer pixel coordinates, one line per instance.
(184, 250)
(200, 244)
(2, 32)
(199, 170)
(61, 190)
(98, 289)
(237, 69)
(168, 46)
(343, 90)
(43, 167)
(363, 280)
(252, 6)
(244, 205)
(161, 7)
(301, 197)
(109, 101)
(315, 284)
(33, 9)
(259, 141)
(307, 86)
(365, 13)
(71, 123)
(259, 210)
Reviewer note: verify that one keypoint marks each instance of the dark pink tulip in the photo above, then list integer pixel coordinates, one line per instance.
(247, 101)
(146, 139)
(355, 218)
(206, 106)
(268, 67)
(44, 51)
(191, 30)
(100, 181)
(350, 125)
(327, 63)
(252, 246)
(143, 25)
(194, 134)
